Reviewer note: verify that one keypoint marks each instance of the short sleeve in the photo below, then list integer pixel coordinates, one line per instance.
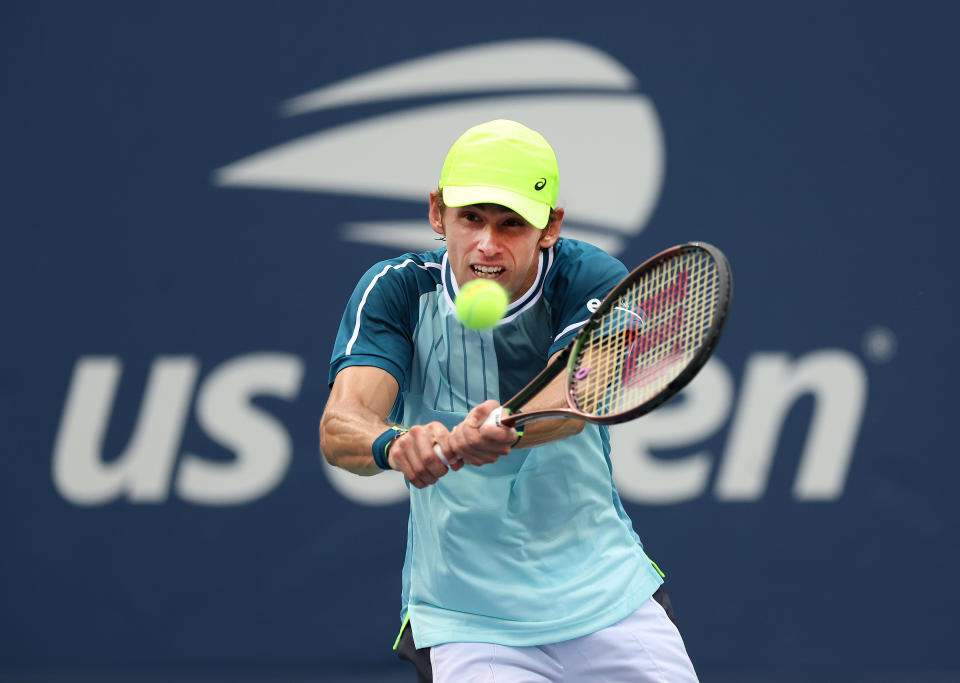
(582, 277)
(376, 327)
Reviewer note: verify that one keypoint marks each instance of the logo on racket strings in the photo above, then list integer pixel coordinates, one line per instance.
(646, 362)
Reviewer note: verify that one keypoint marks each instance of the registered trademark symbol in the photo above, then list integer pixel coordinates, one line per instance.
(879, 344)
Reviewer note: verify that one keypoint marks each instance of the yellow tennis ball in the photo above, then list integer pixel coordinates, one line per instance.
(481, 303)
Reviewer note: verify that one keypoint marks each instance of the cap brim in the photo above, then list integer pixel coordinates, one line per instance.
(535, 213)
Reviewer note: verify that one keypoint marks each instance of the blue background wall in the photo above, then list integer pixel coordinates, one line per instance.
(816, 143)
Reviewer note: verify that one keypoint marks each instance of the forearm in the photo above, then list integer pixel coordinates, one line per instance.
(545, 431)
(356, 414)
(346, 439)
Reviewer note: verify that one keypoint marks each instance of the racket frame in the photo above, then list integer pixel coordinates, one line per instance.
(509, 414)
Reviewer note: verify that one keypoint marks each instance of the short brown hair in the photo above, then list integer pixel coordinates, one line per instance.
(442, 207)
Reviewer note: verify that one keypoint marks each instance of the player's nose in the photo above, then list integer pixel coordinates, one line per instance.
(487, 241)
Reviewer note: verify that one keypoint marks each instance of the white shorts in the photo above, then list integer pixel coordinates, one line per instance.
(645, 646)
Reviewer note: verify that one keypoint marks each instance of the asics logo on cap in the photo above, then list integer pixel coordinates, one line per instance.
(542, 183)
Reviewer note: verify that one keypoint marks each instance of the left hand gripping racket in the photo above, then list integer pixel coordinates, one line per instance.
(645, 342)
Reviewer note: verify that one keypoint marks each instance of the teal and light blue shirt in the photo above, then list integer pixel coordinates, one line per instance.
(535, 548)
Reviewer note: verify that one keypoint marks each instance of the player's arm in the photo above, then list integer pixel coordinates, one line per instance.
(356, 415)
(544, 431)
(479, 444)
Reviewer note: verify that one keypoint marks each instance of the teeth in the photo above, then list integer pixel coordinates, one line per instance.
(488, 270)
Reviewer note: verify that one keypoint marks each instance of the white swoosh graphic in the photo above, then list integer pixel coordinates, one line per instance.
(541, 64)
(610, 148)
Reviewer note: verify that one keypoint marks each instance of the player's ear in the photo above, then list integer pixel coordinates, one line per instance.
(551, 233)
(435, 214)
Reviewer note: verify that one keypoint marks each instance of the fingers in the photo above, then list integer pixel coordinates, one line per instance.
(439, 452)
(478, 443)
(428, 452)
(415, 455)
(492, 429)
(453, 460)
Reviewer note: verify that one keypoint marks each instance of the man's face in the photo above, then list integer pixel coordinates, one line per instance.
(492, 242)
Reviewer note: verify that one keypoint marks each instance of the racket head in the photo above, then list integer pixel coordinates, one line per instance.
(651, 335)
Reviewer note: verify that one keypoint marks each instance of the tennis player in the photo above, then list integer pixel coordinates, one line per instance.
(521, 563)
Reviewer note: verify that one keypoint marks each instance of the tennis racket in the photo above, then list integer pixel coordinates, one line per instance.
(647, 339)
(645, 342)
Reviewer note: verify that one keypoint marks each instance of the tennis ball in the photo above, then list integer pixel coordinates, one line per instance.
(480, 304)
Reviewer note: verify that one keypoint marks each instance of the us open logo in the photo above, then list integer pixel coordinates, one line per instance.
(611, 181)
(610, 147)
(606, 134)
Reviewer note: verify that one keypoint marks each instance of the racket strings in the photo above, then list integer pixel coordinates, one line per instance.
(648, 336)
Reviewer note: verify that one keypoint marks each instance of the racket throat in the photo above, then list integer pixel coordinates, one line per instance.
(522, 418)
(504, 417)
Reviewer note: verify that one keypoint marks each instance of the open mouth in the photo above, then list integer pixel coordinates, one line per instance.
(487, 272)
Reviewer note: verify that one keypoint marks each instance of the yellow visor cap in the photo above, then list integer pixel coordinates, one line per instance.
(502, 162)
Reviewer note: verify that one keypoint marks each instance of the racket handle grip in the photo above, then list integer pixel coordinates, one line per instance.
(443, 458)
(500, 418)
(494, 417)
